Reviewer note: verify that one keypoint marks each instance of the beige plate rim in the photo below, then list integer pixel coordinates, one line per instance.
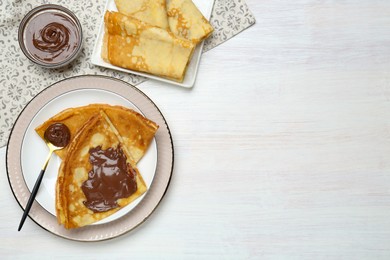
(157, 190)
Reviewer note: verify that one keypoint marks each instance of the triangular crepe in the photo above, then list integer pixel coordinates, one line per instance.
(136, 131)
(132, 44)
(152, 12)
(186, 21)
(85, 176)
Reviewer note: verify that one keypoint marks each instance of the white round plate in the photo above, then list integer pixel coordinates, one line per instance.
(26, 153)
(34, 150)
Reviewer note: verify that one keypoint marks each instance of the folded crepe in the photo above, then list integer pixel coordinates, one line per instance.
(152, 12)
(97, 177)
(186, 21)
(132, 44)
(135, 130)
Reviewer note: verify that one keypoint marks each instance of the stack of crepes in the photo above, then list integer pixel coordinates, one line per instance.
(106, 142)
(154, 36)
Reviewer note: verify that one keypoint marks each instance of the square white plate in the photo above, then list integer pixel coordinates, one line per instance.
(205, 6)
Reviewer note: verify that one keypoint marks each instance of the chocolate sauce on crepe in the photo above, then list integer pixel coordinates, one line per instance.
(111, 178)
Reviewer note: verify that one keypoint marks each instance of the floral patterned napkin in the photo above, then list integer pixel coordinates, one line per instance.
(21, 80)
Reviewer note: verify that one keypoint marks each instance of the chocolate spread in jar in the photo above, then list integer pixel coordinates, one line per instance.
(111, 178)
(51, 37)
(58, 134)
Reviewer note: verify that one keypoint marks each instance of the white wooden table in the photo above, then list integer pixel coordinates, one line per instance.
(282, 148)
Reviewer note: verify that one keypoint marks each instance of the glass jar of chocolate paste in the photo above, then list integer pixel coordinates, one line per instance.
(51, 36)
